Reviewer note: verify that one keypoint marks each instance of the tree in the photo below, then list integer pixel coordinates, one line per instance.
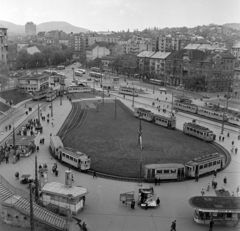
(23, 59)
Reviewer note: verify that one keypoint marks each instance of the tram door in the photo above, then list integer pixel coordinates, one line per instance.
(196, 170)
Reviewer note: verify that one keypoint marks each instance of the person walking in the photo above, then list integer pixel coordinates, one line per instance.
(158, 201)
(237, 190)
(94, 174)
(7, 157)
(232, 150)
(72, 178)
(213, 183)
(225, 180)
(228, 135)
(236, 150)
(215, 173)
(220, 138)
(37, 148)
(232, 143)
(133, 204)
(159, 181)
(211, 225)
(173, 226)
(208, 187)
(155, 180)
(196, 178)
(6, 127)
(223, 139)
(43, 140)
(52, 124)
(202, 192)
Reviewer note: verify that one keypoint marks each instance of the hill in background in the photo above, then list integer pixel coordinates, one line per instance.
(46, 26)
(233, 25)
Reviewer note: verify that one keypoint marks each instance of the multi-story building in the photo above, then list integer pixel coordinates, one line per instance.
(80, 43)
(56, 36)
(107, 62)
(236, 50)
(93, 38)
(200, 70)
(30, 29)
(236, 83)
(157, 62)
(97, 50)
(3, 44)
(143, 62)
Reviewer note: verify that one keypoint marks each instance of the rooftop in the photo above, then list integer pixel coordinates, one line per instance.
(64, 190)
(160, 55)
(220, 204)
(33, 77)
(145, 54)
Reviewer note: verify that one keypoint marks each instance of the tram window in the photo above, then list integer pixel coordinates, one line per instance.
(197, 132)
(173, 170)
(201, 167)
(63, 155)
(214, 162)
(67, 156)
(220, 215)
(75, 160)
(218, 161)
(205, 165)
(71, 158)
(166, 171)
(210, 164)
(229, 215)
(159, 171)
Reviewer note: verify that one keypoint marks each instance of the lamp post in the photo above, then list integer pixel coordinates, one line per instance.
(73, 73)
(224, 111)
(36, 67)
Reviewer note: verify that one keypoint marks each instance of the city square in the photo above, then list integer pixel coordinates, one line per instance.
(119, 130)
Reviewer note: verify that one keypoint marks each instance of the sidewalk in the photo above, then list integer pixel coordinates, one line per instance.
(103, 210)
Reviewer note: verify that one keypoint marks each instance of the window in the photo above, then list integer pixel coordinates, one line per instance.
(229, 215)
(173, 170)
(71, 158)
(201, 167)
(205, 165)
(210, 164)
(166, 171)
(159, 171)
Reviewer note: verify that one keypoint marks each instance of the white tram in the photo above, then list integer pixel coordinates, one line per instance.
(51, 95)
(212, 113)
(199, 131)
(234, 120)
(168, 171)
(55, 145)
(128, 91)
(74, 158)
(205, 164)
(79, 88)
(186, 107)
(168, 122)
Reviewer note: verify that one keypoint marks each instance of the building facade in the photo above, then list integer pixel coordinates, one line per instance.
(30, 29)
(236, 83)
(199, 70)
(80, 43)
(3, 44)
(236, 50)
(96, 51)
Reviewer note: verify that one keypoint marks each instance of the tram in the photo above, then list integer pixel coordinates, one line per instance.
(80, 88)
(212, 113)
(186, 107)
(40, 94)
(168, 122)
(199, 132)
(55, 145)
(205, 164)
(51, 95)
(168, 171)
(128, 91)
(74, 158)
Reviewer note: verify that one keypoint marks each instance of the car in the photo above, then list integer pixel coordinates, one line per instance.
(206, 97)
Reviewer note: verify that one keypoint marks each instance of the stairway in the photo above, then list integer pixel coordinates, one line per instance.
(4, 193)
(40, 214)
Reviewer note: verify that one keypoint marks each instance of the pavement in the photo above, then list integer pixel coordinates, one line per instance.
(103, 210)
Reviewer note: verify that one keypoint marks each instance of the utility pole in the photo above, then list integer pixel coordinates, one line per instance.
(115, 107)
(31, 210)
(51, 104)
(36, 180)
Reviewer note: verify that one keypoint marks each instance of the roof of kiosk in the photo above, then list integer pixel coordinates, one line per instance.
(64, 190)
(215, 204)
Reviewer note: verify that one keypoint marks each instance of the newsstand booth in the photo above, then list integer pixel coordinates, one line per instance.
(223, 210)
(24, 144)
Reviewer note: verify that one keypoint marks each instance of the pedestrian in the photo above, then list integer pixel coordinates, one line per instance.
(43, 140)
(48, 121)
(213, 183)
(9, 127)
(94, 174)
(208, 187)
(232, 150)
(225, 180)
(156, 181)
(232, 143)
(232, 194)
(7, 157)
(223, 139)
(228, 135)
(17, 175)
(202, 192)
(173, 226)
(52, 124)
(236, 150)
(220, 138)
(237, 190)
(37, 148)
(56, 172)
(211, 225)
(215, 173)
(133, 204)
(196, 177)
(159, 181)
(146, 205)
(6, 127)
(72, 178)
(158, 201)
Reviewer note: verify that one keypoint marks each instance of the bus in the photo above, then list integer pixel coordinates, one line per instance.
(40, 94)
(55, 145)
(78, 73)
(96, 75)
(60, 67)
(51, 95)
(96, 69)
(157, 82)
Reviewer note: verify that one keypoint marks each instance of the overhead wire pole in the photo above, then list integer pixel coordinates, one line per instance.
(31, 209)
(115, 108)
(224, 111)
(36, 181)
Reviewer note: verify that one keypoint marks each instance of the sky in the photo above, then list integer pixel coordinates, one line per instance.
(116, 15)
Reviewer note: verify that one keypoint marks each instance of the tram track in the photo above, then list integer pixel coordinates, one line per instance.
(218, 148)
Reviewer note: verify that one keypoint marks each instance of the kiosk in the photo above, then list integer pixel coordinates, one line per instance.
(223, 210)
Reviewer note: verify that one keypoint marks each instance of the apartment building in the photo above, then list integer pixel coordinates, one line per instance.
(3, 44)
(236, 83)
(236, 50)
(80, 43)
(157, 62)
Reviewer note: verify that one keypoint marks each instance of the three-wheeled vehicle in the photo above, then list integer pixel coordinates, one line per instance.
(145, 197)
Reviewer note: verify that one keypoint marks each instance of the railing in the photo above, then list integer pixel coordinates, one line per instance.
(14, 190)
